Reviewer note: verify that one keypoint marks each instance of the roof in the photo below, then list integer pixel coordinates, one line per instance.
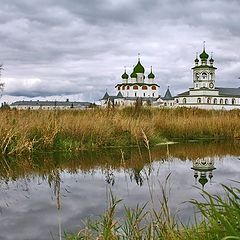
(204, 66)
(106, 96)
(226, 92)
(233, 92)
(142, 98)
(139, 84)
(51, 103)
(168, 95)
(183, 94)
(119, 95)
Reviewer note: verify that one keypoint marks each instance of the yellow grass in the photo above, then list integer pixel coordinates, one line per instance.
(27, 131)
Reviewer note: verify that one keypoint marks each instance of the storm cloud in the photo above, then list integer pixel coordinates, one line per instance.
(55, 48)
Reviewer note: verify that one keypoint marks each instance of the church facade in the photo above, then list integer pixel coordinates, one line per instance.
(134, 89)
(204, 93)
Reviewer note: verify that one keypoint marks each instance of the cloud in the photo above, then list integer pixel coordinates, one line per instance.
(80, 47)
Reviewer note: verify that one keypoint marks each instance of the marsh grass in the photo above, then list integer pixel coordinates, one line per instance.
(26, 131)
(220, 220)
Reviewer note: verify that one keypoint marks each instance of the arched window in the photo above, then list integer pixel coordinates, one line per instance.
(135, 94)
(128, 87)
(197, 76)
(176, 100)
(215, 101)
(204, 75)
(119, 88)
(123, 87)
(144, 94)
(221, 101)
(209, 100)
(144, 87)
(184, 101)
(153, 94)
(233, 101)
(226, 101)
(199, 100)
(135, 87)
(154, 88)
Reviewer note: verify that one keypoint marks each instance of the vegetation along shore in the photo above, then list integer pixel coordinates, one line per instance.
(27, 131)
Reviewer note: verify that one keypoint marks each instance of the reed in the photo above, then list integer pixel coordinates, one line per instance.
(27, 131)
(221, 218)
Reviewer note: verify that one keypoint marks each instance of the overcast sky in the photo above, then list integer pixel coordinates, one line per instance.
(56, 49)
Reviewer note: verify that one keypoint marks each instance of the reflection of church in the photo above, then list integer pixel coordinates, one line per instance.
(203, 168)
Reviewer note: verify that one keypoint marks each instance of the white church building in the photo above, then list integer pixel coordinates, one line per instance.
(134, 89)
(203, 94)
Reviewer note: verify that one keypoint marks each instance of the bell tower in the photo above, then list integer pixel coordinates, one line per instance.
(204, 71)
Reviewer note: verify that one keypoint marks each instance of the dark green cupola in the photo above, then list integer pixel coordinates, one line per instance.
(139, 67)
(133, 74)
(203, 180)
(151, 75)
(204, 56)
(211, 60)
(196, 59)
(125, 75)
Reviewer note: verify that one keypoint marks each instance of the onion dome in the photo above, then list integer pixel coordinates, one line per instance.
(139, 68)
(125, 76)
(133, 74)
(151, 75)
(204, 56)
(196, 59)
(211, 60)
(203, 180)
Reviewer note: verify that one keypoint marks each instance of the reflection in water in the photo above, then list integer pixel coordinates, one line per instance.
(54, 181)
(78, 181)
(203, 169)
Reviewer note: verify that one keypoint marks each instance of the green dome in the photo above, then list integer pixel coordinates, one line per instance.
(139, 68)
(204, 55)
(151, 75)
(133, 75)
(125, 76)
(211, 60)
(203, 181)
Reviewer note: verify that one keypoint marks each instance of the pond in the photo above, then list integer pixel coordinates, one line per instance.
(48, 194)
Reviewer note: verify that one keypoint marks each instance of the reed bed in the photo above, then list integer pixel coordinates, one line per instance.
(220, 221)
(27, 131)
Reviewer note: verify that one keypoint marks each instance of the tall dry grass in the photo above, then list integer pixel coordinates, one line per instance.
(27, 131)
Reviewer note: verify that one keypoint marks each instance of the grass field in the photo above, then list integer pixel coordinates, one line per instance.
(27, 131)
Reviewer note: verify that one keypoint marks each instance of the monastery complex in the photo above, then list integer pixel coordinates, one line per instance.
(139, 89)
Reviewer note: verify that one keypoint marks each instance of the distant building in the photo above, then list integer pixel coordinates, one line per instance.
(134, 89)
(49, 105)
(203, 94)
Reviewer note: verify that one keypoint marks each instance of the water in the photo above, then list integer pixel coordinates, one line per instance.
(44, 196)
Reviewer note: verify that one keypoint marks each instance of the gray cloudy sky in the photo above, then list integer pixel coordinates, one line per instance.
(78, 48)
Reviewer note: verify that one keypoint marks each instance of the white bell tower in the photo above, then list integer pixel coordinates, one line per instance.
(204, 71)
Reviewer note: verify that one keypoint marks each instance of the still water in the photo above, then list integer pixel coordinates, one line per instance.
(48, 194)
